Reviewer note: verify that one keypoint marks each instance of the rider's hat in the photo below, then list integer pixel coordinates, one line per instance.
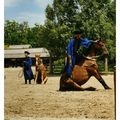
(27, 52)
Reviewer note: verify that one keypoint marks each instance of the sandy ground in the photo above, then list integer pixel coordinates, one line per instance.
(45, 102)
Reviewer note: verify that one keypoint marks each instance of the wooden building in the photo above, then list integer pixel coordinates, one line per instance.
(14, 56)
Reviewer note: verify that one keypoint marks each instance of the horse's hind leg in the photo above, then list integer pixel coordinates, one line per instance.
(100, 79)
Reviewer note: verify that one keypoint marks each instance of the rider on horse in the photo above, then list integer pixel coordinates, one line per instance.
(74, 50)
(87, 65)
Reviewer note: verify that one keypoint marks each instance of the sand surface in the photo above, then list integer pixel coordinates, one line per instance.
(45, 102)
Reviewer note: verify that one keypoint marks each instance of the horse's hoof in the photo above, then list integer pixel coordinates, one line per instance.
(108, 88)
(62, 89)
(45, 81)
(82, 89)
(90, 89)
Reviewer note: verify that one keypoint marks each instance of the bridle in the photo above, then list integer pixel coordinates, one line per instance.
(96, 56)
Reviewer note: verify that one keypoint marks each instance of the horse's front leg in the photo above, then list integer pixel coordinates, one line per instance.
(42, 78)
(73, 85)
(67, 84)
(36, 76)
(100, 79)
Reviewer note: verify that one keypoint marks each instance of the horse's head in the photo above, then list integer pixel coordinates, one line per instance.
(38, 59)
(101, 47)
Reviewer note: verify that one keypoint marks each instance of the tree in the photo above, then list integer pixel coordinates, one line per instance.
(16, 33)
(94, 17)
(11, 29)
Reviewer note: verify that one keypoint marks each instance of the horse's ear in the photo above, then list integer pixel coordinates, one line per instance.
(104, 41)
(97, 41)
(100, 40)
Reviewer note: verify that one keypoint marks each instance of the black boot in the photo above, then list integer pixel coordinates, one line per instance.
(29, 81)
(25, 81)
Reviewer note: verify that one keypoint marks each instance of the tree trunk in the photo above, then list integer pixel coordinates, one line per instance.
(51, 64)
(106, 64)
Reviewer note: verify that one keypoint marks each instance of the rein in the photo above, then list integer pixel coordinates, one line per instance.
(20, 74)
(93, 57)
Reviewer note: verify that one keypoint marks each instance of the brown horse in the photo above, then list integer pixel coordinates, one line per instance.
(86, 68)
(40, 71)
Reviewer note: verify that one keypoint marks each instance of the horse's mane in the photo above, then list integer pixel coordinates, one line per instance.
(87, 50)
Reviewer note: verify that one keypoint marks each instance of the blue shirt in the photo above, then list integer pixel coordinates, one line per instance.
(82, 42)
(28, 63)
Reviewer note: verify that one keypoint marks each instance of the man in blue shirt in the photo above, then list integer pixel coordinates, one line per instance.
(73, 48)
(27, 63)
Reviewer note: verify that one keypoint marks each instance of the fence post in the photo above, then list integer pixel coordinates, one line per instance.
(106, 64)
(51, 64)
(115, 88)
(115, 79)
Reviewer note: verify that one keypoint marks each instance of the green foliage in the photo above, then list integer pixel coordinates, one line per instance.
(58, 65)
(50, 13)
(59, 62)
(16, 33)
(101, 65)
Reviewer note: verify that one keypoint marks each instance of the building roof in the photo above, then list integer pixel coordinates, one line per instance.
(20, 46)
(19, 53)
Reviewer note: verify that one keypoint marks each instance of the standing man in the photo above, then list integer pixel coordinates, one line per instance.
(75, 46)
(27, 63)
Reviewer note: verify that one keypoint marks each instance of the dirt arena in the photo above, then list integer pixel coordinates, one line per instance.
(45, 102)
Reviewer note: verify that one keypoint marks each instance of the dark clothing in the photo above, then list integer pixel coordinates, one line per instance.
(28, 74)
(75, 46)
